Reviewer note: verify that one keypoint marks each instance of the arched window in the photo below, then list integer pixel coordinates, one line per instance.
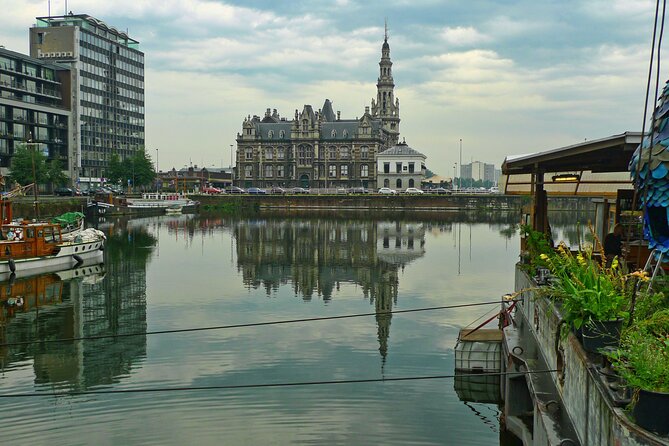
(364, 171)
(269, 153)
(344, 133)
(270, 134)
(364, 152)
(411, 182)
(269, 171)
(248, 153)
(280, 152)
(248, 171)
(398, 183)
(333, 133)
(332, 153)
(282, 134)
(343, 152)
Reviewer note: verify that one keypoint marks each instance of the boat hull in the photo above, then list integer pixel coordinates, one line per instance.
(70, 255)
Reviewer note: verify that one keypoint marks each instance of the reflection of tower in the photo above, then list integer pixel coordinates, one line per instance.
(315, 256)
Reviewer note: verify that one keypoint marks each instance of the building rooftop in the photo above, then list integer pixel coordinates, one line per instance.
(401, 149)
(91, 24)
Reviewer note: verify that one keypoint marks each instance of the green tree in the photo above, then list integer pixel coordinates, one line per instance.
(55, 175)
(22, 166)
(116, 170)
(143, 173)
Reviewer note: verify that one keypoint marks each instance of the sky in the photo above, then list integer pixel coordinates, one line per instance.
(505, 77)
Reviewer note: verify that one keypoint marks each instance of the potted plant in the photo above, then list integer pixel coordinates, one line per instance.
(593, 297)
(642, 360)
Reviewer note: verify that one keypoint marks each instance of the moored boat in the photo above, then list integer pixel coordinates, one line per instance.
(150, 203)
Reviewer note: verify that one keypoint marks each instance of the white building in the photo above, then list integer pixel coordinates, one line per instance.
(400, 167)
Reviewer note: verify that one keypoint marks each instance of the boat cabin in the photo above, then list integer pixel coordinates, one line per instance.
(23, 240)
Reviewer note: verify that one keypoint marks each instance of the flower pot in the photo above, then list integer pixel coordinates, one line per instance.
(600, 334)
(651, 411)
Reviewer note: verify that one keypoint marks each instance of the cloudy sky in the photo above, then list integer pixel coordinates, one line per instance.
(507, 77)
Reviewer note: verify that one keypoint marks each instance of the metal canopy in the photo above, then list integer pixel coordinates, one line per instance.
(611, 154)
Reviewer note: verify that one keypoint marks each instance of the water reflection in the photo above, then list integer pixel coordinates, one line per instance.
(84, 302)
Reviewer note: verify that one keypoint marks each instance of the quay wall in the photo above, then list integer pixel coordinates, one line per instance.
(595, 418)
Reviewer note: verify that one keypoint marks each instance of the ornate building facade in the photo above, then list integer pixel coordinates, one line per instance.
(318, 149)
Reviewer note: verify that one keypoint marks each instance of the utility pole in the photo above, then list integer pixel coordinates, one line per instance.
(460, 176)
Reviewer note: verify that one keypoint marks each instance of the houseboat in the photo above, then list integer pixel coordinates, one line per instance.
(153, 203)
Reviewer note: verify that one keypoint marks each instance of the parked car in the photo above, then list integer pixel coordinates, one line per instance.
(358, 190)
(440, 190)
(63, 192)
(277, 190)
(234, 190)
(256, 191)
(387, 191)
(211, 190)
(413, 190)
(298, 190)
(99, 190)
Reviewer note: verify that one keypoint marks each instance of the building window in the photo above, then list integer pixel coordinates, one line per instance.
(304, 155)
(279, 172)
(386, 168)
(248, 171)
(386, 183)
(279, 153)
(332, 153)
(248, 153)
(269, 153)
(305, 125)
(332, 171)
(343, 152)
(344, 133)
(364, 152)
(333, 133)
(282, 134)
(269, 171)
(270, 134)
(411, 182)
(344, 170)
(411, 167)
(398, 183)
(364, 171)
(398, 167)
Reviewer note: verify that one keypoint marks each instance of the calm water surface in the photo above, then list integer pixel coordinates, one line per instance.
(177, 272)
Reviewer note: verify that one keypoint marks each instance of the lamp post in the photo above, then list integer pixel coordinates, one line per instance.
(157, 175)
(231, 168)
(460, 176)
(455, 165)
(30, 145)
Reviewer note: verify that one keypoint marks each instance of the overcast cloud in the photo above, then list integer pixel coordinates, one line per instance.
(506, 77)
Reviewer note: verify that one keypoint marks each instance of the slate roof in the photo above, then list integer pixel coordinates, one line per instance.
(401, 149)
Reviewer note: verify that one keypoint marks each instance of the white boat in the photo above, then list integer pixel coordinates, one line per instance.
(149, 203)
(174, 209)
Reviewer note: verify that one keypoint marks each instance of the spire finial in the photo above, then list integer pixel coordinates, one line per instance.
(385, 35)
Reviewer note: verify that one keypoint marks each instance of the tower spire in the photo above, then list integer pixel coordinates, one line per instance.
(385, 34)
(387, 106)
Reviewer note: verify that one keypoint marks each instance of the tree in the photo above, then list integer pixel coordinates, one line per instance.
(116, 170)
(55, 175)
(137, 169)
(22, 166)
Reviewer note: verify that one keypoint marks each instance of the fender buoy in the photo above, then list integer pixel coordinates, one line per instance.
(12, 265)
(78, 259)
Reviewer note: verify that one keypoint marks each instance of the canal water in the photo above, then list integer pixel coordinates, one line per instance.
(177, 272)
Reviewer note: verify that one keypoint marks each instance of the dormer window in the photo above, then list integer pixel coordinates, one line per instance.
(270, 134)
(282, 134)
(344, 133)
(333, 133)
(305, 125)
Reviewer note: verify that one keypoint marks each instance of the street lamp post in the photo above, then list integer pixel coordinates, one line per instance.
(460, 176)
(31, 146)
(157, 175)
(231, 168)
(455, 165)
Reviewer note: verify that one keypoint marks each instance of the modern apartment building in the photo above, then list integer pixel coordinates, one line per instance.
(35, 108)
(107, 95)
(476, 170)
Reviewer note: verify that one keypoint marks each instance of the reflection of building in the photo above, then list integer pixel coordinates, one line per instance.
(89, 308)
(316, 256)
(318, 148)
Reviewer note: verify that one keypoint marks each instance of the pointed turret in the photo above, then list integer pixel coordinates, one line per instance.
(386, 105)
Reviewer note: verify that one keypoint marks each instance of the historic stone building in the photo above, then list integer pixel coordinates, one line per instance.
(318, 149)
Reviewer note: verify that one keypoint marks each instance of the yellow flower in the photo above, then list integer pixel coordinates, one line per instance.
(614, 263)
(543, 257)
(641, 275)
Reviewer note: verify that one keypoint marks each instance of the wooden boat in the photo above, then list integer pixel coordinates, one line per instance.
(150, 203)
(27, 247)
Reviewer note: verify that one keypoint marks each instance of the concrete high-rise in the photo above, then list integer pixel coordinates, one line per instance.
(107, 95)
(34, 108)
